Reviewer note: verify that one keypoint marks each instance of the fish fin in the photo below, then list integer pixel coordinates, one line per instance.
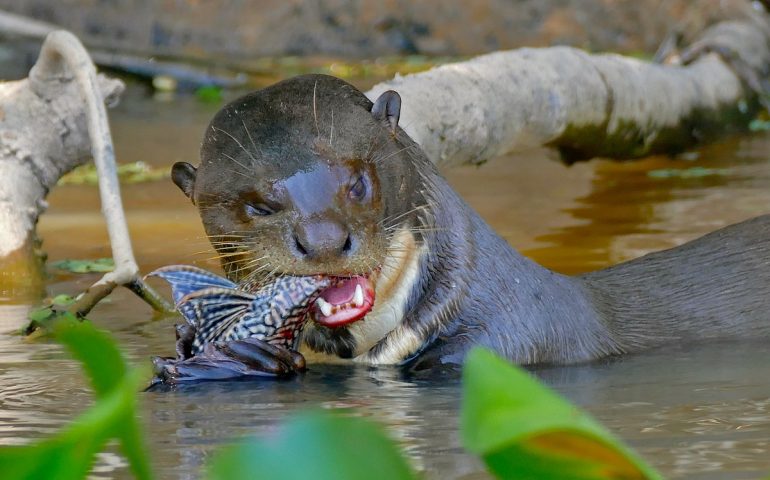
(213, 310)
(186, 279)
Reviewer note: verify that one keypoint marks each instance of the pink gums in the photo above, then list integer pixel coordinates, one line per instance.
(340, 296)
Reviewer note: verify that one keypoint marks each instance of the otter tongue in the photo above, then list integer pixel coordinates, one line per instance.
(342, 292)
(341, 307)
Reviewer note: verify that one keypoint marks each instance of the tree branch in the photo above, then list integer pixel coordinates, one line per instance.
(62, 59)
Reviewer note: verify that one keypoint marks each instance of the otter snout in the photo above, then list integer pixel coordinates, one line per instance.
(322, 240)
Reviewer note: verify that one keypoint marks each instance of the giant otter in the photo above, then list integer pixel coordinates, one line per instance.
(308, 177)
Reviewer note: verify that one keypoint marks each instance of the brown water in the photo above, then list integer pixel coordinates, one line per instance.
(696, 412)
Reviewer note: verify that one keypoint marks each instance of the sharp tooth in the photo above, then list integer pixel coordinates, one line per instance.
(324, 306)
(358, 297)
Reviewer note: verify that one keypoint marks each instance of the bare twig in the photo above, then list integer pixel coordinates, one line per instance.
(63, 55)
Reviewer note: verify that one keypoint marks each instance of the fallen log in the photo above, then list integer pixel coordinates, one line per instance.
(588, 105)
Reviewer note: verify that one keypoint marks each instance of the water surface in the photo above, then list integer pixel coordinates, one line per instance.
(700, 411)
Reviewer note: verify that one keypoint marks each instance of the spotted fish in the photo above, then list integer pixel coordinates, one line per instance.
(220, 310)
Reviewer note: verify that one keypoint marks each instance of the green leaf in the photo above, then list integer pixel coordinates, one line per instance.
(318, 445)
(523, 430)
(41, 319)
(132, 439)
(102, 361)
(71, 452)
(41, 314)
(100, 265)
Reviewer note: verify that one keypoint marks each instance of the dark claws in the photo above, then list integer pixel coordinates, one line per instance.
(261, 353)
(185, 334)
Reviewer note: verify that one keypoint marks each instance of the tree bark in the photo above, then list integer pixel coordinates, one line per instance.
(588, 105)
(43, 135)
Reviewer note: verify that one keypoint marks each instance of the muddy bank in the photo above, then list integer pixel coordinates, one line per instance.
(237, 31)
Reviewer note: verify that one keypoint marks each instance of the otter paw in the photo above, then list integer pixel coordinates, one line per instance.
(229, 360)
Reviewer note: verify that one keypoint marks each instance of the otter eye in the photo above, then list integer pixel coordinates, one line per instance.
(258, 210)
(358, 190)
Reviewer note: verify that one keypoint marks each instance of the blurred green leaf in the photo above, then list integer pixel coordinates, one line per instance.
(317, 445)
(70, 453)
(523, 430)
(97, 352)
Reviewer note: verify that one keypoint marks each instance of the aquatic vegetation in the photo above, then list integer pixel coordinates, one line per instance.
(685, 173)
(42, 318)
(100, 265)
(128, 173)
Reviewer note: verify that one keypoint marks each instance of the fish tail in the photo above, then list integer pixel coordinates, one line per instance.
(212, 311)
(186, 279)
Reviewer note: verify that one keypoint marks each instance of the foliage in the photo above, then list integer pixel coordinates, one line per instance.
(520, 428)
(329, 444)
(100, 265)
(45, 315)
(523, 430)
(209, 94)
(70, 453)
(136, 172)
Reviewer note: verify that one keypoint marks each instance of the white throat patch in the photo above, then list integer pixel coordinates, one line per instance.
(399, 273)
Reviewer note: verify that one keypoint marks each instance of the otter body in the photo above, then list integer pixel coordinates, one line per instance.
(309, 177)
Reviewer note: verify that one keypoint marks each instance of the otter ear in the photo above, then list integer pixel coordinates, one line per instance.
(388, 107)
(183, 175)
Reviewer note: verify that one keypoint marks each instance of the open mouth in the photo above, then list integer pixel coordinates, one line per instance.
(349, 299)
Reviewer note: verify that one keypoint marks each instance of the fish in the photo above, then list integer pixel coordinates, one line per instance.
(220, 310)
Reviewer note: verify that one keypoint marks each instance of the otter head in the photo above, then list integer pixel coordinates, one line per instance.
(306, 177)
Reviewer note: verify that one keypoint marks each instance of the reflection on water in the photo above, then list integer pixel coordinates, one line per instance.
(697, 412)
(655, 204)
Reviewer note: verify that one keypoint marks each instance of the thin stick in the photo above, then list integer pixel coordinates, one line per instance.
(63, 54)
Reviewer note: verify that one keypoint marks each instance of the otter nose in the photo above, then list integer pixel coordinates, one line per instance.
(323, 240)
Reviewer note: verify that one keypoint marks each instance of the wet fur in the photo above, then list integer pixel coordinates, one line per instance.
(472, 288)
